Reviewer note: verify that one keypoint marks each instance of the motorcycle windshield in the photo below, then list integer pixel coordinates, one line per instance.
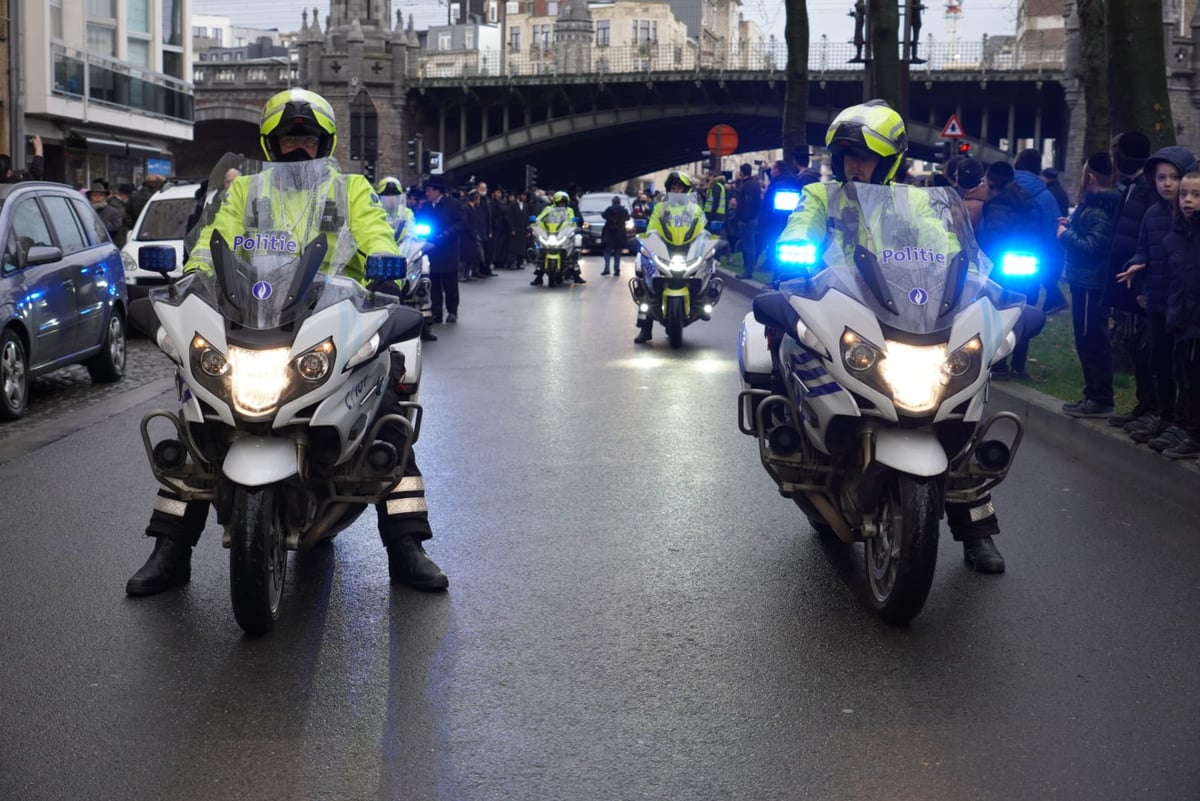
(291, 245)
(908, 253)
(555, 219)
(677, 258)
(683, 219)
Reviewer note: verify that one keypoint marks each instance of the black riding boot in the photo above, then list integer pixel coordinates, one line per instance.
(169, 565)
(409, 564)
(537, 279)
(646, 333)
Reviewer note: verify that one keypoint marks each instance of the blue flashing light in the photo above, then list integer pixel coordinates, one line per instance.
(796, 253)
(156, 258)
(423, 230)
(787, 200)
(1018, 264)
(386, 267)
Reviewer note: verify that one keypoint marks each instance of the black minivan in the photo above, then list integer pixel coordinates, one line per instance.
(62, 290)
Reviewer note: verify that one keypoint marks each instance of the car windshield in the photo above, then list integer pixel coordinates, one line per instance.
(166, 219)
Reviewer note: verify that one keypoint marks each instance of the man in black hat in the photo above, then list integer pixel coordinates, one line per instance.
(448, 221)
(112, 219)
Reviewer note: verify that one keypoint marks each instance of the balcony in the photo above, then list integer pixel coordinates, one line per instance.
(119, 85)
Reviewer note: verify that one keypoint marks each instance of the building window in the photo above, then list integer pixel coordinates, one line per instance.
(469, 40)
(645, 31)
(172, 61)
(56, 21)
(514, 38)
(172, 23)
(603, 34)
(493, 12)
(102, 40)
(443, 41)
(137, 51)
(137, 16)
(102, 8)
(199, 33)
(552, 8)
(218, 35)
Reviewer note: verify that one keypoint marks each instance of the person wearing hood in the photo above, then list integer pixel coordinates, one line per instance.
(1086, 238)
(1027, 174)
(1146, 272)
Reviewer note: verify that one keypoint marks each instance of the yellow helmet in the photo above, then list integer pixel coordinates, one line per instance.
(297, 112)
(389, 186)
(873, 127)
(676, 177)
(561, 198)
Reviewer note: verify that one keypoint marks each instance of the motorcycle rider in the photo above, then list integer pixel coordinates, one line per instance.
(297, 125)
(562, 201)
(400, 216)
(866, 144)
(680, 201)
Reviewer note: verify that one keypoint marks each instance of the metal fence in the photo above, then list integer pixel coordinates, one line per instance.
(120, 85)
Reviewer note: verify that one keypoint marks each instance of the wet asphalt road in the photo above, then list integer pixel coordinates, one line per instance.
(634, 612)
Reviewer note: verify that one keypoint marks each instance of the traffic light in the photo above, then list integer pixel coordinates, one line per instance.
(964, 148)
(531, 176)
(435, 162)
(941, 150)
(412, 154)
(368, 169)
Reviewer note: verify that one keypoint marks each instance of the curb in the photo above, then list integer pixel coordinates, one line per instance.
(1106, 447)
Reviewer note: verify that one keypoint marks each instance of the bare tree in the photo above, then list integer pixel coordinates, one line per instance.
(795, 104)
(1137, 77)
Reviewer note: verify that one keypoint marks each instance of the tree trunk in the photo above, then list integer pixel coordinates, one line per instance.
(1093, 71)
(795, 104)
(1137, 75)
(884, 78)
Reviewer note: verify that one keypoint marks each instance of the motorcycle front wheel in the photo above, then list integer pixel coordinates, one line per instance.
(901, 559)
(257, 558)
(674, 321)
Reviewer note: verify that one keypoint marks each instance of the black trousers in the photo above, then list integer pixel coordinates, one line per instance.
(443, 289)
(1162, 366)
(1187, 362)
(1089, 316)
(972, 521)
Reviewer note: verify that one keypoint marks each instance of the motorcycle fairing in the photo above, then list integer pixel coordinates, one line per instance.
(258, 461)
(917, 452)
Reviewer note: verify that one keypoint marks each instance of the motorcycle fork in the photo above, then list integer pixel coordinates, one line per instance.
(682, 292)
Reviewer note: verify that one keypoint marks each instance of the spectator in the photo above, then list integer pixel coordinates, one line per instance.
(112, 219)
(1146, 272)
(473, 253)
(1050, 178)
(969, 179)
(614, 236)
(1086, 239)
(118, 200)
(37, 165)
(1132, 338)
(1183, 310)
(501, 231)
(137, 201)
(1027, 171)
(749, 199)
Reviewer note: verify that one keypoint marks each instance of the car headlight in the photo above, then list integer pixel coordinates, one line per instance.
(629, 225)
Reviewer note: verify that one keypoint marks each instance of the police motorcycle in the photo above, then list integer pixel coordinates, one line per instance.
(282, 372)
(676, 281)
(414, 248)
(865, 378)
(556, 244)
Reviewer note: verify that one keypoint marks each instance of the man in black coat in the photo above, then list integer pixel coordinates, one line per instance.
(448, 222)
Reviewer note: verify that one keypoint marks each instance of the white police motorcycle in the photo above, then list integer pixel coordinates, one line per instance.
(865, 377)
(286, 385)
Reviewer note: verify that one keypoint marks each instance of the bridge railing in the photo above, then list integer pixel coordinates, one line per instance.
(655, 57)
(119, 84)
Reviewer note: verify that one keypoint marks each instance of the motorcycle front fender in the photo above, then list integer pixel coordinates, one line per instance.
(917, 453)
(258, 461)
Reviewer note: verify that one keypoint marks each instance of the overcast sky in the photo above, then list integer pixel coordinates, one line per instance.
(829, 17)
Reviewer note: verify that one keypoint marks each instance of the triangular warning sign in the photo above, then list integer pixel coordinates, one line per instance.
(953, 128)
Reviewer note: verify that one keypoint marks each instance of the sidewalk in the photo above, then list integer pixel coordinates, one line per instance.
(1106, 447)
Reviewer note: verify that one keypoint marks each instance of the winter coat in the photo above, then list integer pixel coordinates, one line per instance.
(1183, 281)
(1060, 197)
(448, 221)
(1088, 238)
(614, 236)
(1156, 224)
(1137, 196)
(1035, 188)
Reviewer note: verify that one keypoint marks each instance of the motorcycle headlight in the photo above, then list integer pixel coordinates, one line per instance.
(916, 378)
(210, 360)
(314, 365)
(859, 354)
(258, 378)
(678, 264)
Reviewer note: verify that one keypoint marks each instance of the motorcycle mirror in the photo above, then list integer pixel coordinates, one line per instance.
(386, 267)
(156, 258)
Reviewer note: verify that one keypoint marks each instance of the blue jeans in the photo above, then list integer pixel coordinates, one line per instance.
(615, 256)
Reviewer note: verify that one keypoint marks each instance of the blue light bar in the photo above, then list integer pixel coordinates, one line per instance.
(802, 253)
(156, 258)
(423, 230)
(386, 267)
(1018, 264)
(787, 200)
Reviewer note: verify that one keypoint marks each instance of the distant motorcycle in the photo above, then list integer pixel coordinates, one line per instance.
(865, 377)
(414, 248)
(676, 280)
(556, 245)
(284, 393)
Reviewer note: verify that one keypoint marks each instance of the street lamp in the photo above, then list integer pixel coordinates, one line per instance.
(285, 62)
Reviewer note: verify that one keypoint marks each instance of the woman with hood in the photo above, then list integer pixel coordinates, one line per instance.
(1146, 272)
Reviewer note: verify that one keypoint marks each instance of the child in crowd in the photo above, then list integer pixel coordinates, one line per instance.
(1086, 238)
(1146, 272)
(1183, 311)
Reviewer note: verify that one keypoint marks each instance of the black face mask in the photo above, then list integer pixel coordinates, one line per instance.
(299, 154)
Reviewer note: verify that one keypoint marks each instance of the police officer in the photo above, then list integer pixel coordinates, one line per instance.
(561, 208)
(297, 125)
(680, 203)
(866, 143)
(399, 215)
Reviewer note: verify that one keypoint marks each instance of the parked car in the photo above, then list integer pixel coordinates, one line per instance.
(163, 221)
(591, 208)
(62, 291)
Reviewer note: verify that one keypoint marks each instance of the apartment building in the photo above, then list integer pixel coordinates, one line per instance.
(110, 93)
